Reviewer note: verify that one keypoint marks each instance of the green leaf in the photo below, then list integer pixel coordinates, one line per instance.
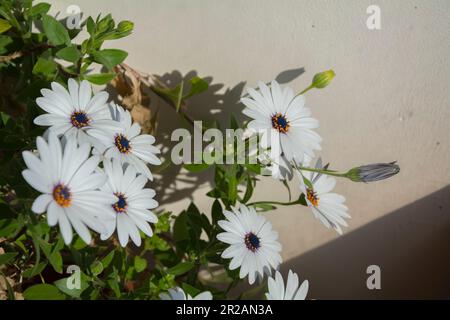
(6, 257)
(193, 210)
(45, 67)
(4, 25)
(26, 4)
(196, 167)
(216, 212)
(93, 295)
(206, 225)
(302, 200)
(11, 295)
(59, 245)
(54, 30)
(106, 261)
(109, 57)
(56, 261)
(52, 253)
(105, 24)
(79, 244)
(140, 264)
(181, 268)
(71, 54)
(177, 95)
(156, 242)
(100, 78)
(8, 227)
(90, 26)
(198, 85)
(307, 182)
(4, 117)
(43, 292)
(34, 271)
(62, 284)
(114, 285)
(39, 9)
(20, 243)
(163, 224)
(232, 183)
(171, 94)
(190, 289)
(180, 228)
(249, 191)
(4, 42)
(96, 267)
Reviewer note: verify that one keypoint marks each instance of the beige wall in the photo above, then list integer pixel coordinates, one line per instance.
(389, 100)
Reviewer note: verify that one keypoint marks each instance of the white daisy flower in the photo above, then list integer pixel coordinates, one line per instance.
(178, 294)
(292, 291)
(127, 144)
(279, 115)
(68, 185)
(253, 244)
(73, 113)
(131, 206)
(326, 206)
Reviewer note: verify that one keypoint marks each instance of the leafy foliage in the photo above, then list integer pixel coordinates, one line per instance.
(181, 246)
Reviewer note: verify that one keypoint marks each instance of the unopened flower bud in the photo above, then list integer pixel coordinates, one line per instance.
(323, 79)
(125, 26)
(373, 172)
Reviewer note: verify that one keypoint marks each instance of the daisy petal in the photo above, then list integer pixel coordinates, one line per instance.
(41, 203)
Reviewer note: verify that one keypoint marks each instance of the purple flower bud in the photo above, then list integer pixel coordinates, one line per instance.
(373, 172)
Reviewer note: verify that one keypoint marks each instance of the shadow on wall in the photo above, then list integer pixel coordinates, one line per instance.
(411, 245)
(174, 184)
(215, 104)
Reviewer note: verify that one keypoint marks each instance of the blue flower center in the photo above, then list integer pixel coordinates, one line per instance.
(121, 204)
(122, 143)
(79, 119)
(62, 195)
(252, 241)
(280, 123)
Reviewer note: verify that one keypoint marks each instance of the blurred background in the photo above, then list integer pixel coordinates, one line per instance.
(389, 101)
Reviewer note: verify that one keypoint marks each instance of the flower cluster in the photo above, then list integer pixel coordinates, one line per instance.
(285, 129)
(91, 167)
(285, 125)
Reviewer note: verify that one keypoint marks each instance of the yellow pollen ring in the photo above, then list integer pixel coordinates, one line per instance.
(79, 119)
(280, 123)
(312, 197)
(62, 196)
(122, 143)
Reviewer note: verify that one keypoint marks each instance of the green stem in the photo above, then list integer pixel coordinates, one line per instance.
(275, 202)
(180, 97)
(324, 171)
(306, 90)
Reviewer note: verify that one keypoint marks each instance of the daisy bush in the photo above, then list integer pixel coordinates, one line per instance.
(79, 216)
